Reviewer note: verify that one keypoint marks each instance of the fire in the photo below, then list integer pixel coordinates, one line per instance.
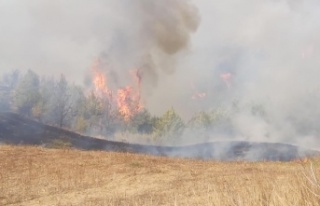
(128, 104)
(127, 99)
(100, 81)
(226, 77)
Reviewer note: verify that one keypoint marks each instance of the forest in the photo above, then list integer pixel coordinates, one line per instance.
(56, 102)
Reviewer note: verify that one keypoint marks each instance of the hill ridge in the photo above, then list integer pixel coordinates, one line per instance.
(18, 130)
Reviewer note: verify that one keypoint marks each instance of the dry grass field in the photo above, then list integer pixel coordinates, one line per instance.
(38, 176)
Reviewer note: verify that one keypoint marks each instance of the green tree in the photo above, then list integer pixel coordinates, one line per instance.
(41, 110)
(219, 116)
(201, 120)
(81, 124)
(92, 111)
(77, 111)
(62, 101)
(142, 122)
(170, 125)
(8, 83)
(26, 94)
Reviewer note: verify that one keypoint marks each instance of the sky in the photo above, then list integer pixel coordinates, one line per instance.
(268, 48)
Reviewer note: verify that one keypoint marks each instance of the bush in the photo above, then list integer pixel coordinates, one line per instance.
(63, 143)
(170, 125)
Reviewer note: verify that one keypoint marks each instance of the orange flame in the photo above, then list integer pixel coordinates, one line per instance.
(100, 81)
(128, 104)
(127, 100)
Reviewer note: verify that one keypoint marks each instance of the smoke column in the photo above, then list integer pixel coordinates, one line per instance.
(151, 38)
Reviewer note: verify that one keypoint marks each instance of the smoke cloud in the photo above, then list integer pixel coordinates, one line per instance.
(226, 54)
(270, 48)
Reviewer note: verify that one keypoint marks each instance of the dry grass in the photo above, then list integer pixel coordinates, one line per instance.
(37, 176)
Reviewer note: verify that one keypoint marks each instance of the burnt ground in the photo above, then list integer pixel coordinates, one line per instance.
(17, 130)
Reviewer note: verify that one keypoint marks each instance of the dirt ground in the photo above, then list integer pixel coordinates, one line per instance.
(39, 176)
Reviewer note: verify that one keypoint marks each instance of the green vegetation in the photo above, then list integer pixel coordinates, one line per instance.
(63, 143)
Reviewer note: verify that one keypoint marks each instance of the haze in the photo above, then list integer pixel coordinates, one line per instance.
(269, 48)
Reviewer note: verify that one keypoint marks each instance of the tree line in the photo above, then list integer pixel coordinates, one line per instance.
(58, 103)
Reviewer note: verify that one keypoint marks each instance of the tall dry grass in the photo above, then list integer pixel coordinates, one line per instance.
(37, 176)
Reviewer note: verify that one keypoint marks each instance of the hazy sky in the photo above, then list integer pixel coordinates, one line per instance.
(53, 37)
(269, 47)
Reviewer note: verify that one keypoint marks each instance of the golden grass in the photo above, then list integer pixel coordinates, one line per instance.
(38, 176)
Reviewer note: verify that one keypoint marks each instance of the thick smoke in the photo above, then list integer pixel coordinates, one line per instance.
(267, 49)
(151, 38)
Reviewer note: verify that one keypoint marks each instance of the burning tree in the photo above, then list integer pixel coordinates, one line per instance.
(125, 100)
(128, 103)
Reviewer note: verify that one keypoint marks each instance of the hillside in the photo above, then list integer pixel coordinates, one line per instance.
(39, 176)
(116, 175)
(17, 130)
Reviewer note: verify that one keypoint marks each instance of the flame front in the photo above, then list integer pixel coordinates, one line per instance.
(127, 100)
(100, 81)
(128, 103)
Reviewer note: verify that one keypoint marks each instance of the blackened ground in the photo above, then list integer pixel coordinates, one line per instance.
(15, 129)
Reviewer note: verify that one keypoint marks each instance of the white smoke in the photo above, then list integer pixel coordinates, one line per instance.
(271, 48)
